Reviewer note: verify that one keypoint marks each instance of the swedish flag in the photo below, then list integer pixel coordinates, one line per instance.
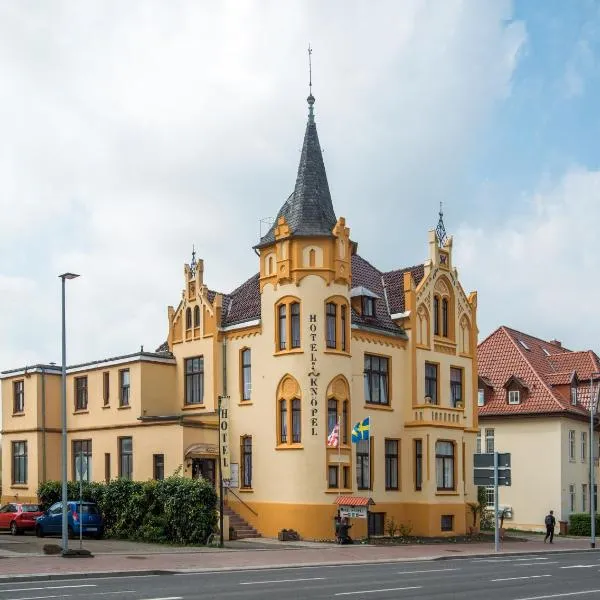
(361, 430)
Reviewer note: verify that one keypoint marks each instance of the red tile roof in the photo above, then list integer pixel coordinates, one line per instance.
(353, 501)
(543, 367)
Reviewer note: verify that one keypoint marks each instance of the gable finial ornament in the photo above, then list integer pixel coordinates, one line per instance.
(311, 98)
(194, 263)
(440, 230)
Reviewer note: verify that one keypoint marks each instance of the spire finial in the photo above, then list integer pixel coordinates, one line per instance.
(311, 98)
(440, 230)
(194, 262)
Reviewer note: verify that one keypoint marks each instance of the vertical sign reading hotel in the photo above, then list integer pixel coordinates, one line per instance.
(224, 437)
(313, 376)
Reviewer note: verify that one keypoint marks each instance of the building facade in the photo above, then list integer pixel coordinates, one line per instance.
(534, 399)
(318, 338)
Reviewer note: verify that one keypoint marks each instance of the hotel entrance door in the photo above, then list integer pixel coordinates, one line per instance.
(204, 467)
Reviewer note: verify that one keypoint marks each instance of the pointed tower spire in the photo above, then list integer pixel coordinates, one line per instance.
(309, 210)
(194, 263)
(440, 230)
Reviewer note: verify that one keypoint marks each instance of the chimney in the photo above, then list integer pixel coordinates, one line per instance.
(556, 343)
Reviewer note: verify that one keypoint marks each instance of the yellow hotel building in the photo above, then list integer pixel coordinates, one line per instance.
(318, 335)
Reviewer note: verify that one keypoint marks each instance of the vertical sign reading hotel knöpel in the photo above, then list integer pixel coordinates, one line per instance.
(313, 376)
(224, 436)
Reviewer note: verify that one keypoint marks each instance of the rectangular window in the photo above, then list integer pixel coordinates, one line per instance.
(124, 387)
(584, 497)
(343, 332)
(376, 379)
(431, 379)
(194, 380)
(368, 306)
(489, 496)
(418, 464)
(246, 461)
(574, 394)
(81, 393)
(447, 523)
(82, 460)
(106, 388)
(444, 460)
(583, 446)
(332, 414)
(331, 317)
(514, 397)
(283, 421)
(572, 497)
(362, 465)
(456, 386)
(480, 397)
(107, 467)
(489, 441)
(246, 374)
(391, 464)
(478, 443)
(571, 445)
(158, 466)
(332, 476)
(345, 422)
(282, 327)
(296, 422)
(295, 310)
(19, 462)
(346, 472)
(126, 458)
(18, 396)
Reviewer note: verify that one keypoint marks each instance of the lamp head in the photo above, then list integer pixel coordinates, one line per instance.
(69, 276)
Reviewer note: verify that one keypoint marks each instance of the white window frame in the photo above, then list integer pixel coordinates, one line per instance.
(489, 494)
(480, 397)
(573, 395)
(478, 443)
(571, 445)
(571, 497)
(514, 397)
(489, 441)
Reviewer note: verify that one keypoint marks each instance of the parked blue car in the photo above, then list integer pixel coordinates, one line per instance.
(80, 514)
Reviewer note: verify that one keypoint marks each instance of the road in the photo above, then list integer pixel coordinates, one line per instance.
(536, 577)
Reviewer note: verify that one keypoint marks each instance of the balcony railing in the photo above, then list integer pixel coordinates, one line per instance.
(433, 414)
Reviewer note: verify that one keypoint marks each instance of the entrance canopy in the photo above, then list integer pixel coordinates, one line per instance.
(353, 501)
(201, 450)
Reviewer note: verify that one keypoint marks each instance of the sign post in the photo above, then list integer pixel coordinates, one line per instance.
(496, 529)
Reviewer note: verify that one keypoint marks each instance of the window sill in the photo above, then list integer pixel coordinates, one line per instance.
(285, 352)
(19, 414)
(446, 493)
(392, 489)
(338, 491)
(245, 403)
(127, 406)
(335, 351)
(83, 411)
(246, 490)
(289, 447)
(106, 406)
(193, 406)
(19, 486)
(374, 406)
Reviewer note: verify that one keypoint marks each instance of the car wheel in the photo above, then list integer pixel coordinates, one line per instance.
(14, 530)
(39, 532)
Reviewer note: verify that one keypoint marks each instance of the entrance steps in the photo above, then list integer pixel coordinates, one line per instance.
(240, 527)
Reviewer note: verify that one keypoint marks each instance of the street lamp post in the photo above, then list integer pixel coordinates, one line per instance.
(593, 410)
(65, 524)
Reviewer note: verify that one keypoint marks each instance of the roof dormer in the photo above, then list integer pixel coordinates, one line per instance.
(516, 390)
(364, 301)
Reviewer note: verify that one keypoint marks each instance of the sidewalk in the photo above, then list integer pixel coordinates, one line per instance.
(211, 559)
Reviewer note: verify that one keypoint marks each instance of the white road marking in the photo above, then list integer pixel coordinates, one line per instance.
(280, 581)
(579, 566)
(524, 577)
(425, 571)
(167, 598)
(537, 564)
(50, 587)
(413, 587)
(561, 595)
(108, 593)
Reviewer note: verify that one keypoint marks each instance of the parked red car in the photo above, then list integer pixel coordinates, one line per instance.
(19, 517)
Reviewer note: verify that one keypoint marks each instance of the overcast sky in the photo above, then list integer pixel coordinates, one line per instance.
(131, 130)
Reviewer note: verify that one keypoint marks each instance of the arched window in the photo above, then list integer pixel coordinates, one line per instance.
(445, 317)
(331, 316)
(436, 315)
(288, 325)
(196, 316)
(289, 413)
(312, 257)
(188, 318)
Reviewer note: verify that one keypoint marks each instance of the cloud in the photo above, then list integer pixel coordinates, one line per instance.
(132, 130)
(538, 270)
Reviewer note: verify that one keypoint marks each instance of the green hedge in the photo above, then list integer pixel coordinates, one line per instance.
(580, 524)
(176, 510)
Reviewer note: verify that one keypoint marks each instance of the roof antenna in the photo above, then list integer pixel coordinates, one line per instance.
(311, 98)
(440, 230)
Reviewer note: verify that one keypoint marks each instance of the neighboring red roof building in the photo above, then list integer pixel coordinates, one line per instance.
(524, 375)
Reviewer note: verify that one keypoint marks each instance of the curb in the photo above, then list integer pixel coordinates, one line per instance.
(156, 572)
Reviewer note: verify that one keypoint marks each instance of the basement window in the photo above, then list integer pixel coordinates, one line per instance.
(447, 523)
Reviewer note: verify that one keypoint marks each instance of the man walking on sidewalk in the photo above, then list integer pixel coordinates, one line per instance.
(550, 522)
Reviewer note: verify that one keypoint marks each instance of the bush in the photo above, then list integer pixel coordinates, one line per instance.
(176, 509)
(580, 524)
